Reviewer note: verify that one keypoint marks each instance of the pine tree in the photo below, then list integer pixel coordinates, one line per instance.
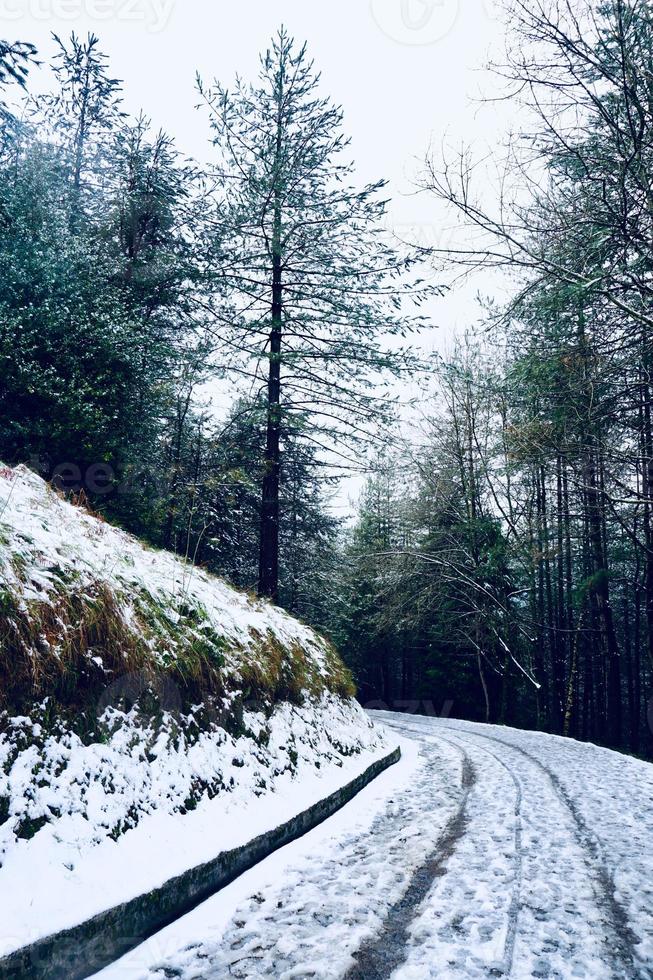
(16, 57)
(314, 282)
(83, 112)
(96, 304)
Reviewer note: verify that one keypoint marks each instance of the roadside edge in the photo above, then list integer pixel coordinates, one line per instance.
(82, 950)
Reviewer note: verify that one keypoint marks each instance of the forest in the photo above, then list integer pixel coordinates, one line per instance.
(499, 562)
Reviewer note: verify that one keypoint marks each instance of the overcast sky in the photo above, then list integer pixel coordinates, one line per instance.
(408, 74)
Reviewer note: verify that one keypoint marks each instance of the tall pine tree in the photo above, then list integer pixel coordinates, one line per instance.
(314, 282)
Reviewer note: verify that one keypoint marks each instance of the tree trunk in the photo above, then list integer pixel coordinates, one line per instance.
(268, 571)
(268, 568)
(611, 663)
(647, 491)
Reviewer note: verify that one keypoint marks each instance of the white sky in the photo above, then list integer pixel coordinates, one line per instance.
(408, 73)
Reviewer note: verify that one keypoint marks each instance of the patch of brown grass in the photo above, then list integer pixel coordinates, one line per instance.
(275, 672)
(46, 646)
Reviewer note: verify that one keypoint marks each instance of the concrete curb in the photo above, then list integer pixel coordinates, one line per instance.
(75, 953)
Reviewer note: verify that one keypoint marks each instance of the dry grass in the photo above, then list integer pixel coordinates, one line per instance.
(281, 673)
(46, 647)
(75, 644)
(340, 678)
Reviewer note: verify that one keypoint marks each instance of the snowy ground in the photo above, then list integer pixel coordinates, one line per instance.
(74, 868)
(487, 852)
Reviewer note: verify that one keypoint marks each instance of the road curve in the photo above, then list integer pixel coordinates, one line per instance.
(527, 894)
(512, 854)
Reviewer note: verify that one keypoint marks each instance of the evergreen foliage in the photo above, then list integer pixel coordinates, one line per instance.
(502, 563)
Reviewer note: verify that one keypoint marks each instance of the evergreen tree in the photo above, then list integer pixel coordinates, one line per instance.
(16, 57)
(314, 282)
(83, 112)
(95, 299)
(215, 513)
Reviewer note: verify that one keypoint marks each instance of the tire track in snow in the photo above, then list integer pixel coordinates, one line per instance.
(515, 901)
(623, 955)
(622, 951)
(309, 923)
(383, 953)
(563, 924)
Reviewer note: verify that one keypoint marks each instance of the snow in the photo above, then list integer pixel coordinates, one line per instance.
(537, 853)
(185, 941)
(94, 819)
(81, 871)
(487, 851)
(46, 534)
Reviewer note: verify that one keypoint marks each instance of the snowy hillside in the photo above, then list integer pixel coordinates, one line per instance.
(150, 715)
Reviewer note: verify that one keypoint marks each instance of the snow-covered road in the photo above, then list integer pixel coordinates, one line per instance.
(505, 854)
